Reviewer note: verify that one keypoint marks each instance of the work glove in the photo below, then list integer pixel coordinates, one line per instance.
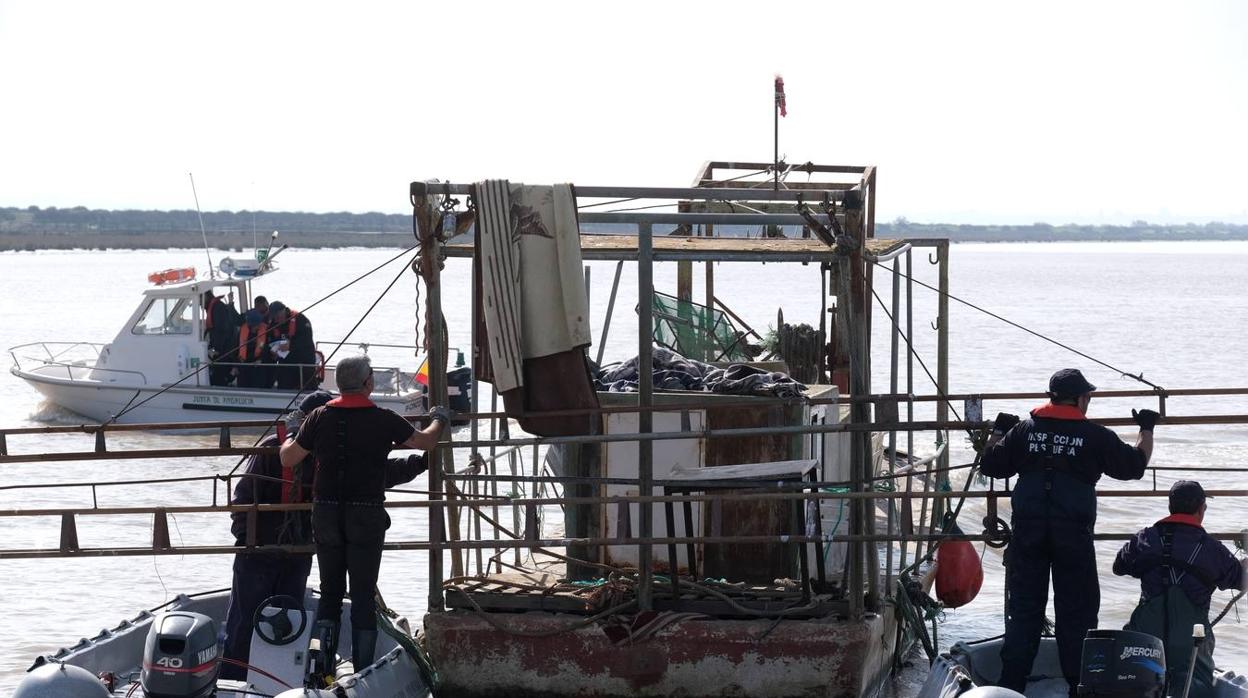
(1147, 419)
(1004, 422)
(442, 414)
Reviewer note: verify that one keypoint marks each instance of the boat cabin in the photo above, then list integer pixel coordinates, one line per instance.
(164, 339)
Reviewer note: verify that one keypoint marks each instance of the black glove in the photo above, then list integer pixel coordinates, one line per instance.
(1147, 419)
(1004, 422)
(442, 414)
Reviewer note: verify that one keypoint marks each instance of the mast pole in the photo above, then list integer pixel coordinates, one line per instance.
(211, 273)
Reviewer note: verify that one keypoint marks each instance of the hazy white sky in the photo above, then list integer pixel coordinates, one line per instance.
(974, 112)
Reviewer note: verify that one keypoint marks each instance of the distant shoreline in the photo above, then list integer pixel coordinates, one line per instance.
(35, 242)
(33, 228)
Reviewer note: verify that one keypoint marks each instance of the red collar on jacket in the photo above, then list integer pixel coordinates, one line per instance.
(1051, 411)
(351, 401)
(1185, 519)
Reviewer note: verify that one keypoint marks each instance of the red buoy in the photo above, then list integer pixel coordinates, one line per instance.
(959, 574)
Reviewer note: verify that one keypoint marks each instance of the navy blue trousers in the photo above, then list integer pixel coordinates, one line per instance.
(256, 578)
(1037, 550)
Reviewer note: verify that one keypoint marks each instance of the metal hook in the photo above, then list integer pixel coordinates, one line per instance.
(933, 259)
(935, 324)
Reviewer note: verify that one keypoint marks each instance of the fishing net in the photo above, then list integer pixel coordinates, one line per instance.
(697, 331)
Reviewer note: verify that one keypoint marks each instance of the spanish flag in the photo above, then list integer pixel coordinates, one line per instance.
(422, 373)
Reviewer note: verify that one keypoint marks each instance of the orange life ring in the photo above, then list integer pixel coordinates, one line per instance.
(170, 276)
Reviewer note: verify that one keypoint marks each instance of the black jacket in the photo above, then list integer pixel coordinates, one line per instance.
(1059, 456)
(262, 484)
(1203, 562)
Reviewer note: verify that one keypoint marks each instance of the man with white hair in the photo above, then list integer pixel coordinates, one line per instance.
(351, 439)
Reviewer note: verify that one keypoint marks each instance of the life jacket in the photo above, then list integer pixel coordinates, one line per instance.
(1170, 617)
(332, 477)
(208, 312)
(1051, 485)
(293, 315)
(246, 341)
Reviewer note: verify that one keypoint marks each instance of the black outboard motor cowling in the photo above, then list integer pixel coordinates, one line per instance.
(180, 658)
(1122, 664)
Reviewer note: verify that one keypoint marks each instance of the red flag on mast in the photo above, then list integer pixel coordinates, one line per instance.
(780, 96)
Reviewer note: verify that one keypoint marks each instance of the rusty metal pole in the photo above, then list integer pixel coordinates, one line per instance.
(437, 386)
(910, 391)
(942, 365)
(895, 334)
(860, 384)
(645, 419)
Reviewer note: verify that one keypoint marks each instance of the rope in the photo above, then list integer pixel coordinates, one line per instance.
(910, 348)
(1229, 605)
(553, 631)
(1138, 377)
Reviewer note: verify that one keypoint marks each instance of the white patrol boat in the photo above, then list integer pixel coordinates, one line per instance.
(156, 368)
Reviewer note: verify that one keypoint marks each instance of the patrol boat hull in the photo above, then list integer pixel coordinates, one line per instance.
(151, 404)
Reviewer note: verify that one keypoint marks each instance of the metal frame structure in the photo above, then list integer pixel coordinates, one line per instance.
(496, 459)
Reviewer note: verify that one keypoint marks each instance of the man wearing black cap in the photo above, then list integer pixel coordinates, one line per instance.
(1058, 456)
(1179, 566)
(292, 331)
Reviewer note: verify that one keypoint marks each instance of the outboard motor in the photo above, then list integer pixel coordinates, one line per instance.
(180, 657)
(1122, 664)
(460, 400)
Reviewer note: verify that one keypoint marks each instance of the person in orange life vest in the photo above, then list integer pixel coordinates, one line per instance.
(296, 370)
(254, 352)
(351, 438)
(260, 575)
(1058, 456)
(221, 330)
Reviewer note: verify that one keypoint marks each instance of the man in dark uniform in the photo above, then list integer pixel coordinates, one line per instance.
(221, 331)
(297, 370)
(254, 353)
(1178, 566)
(258, 576)
(1058, 456)
(351, 439)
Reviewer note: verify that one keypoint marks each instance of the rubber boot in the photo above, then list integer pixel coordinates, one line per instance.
(326, 633)
(363, 648)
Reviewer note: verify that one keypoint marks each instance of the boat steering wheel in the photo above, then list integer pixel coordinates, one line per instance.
(274, 627)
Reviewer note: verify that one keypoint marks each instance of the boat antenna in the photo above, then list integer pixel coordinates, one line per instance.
(267, 250)
(255, 245)
(211, 272)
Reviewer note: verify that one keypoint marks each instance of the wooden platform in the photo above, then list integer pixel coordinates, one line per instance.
(705, 249)
(519, 592)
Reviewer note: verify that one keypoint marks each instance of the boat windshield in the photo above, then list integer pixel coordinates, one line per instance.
(165, 316)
